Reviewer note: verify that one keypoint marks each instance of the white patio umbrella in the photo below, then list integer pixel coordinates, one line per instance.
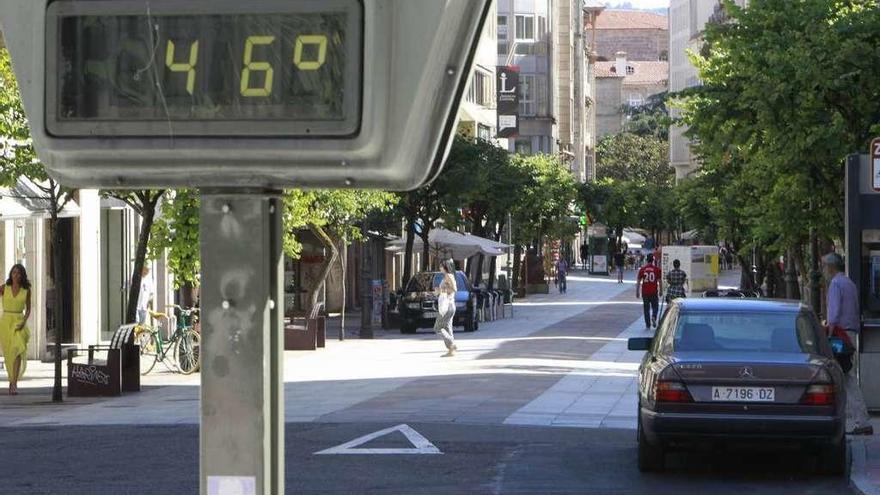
(448, 244)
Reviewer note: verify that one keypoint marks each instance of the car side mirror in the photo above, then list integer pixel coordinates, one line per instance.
(639, 343)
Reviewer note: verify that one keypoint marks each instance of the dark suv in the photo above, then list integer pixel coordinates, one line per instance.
(418, 303)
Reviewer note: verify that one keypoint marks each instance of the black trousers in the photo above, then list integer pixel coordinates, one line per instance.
(651, 306)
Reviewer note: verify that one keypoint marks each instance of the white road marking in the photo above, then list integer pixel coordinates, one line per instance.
(421, 444)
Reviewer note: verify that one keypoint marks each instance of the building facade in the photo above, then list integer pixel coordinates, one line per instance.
(526, 40)
(687, 19)
(644, 36)
(477, 115)
(622, 84)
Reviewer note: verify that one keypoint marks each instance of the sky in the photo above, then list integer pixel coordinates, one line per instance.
(640, 4)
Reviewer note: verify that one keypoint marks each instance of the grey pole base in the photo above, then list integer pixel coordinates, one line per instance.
(241, 439)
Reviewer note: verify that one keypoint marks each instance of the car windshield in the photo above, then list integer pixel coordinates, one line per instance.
(423, 282)
(748, 332)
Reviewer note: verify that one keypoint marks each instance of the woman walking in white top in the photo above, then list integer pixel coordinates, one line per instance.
(446, 306)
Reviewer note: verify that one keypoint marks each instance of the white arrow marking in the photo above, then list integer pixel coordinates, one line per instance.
(421, 444)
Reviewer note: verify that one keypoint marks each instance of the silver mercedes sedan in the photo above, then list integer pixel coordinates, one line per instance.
(739, 371)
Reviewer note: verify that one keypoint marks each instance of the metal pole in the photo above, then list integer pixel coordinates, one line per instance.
(344, 258)
(241, 439)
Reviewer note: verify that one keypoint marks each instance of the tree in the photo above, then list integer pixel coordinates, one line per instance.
(650, 119)
(176, 233)
(789, 89)
(144, 203)
(630, 157)
(481, 187)
(545, 206)
(18, 158)
(328, 214)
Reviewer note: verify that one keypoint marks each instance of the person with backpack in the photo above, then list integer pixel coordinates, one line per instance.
(648, 288)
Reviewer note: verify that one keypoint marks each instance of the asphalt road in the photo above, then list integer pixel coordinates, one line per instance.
(475, 459)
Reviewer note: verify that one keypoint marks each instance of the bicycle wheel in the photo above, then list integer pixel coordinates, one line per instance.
(188, 352)
(149, 349)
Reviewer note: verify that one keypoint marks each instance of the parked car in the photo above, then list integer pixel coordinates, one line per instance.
(741, 371)
(418, 304)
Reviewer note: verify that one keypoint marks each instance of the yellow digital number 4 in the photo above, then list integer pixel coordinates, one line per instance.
(188, 67)
(312, 39)
(250, 65)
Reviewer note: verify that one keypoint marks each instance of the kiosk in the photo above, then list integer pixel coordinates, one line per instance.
(599, 255)
(863, 265)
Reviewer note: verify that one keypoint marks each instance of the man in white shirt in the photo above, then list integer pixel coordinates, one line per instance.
(145, 296)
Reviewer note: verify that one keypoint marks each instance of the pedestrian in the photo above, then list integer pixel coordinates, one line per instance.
(562, 274)
(619, 262)
(843, 313)
(445, 292)
(145, 296)
(677, 280)
(14, 333)
(648, 288)
(585, 252)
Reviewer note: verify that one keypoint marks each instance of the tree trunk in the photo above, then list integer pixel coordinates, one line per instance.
(426, 248)
(746, 280)
(134, 290)
(408, 252)
(325, 269)
(187, 295)
(517, 262)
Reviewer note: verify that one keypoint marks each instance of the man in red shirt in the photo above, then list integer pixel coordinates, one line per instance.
(648, 288)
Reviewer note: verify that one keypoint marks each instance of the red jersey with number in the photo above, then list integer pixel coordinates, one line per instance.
(650, 277)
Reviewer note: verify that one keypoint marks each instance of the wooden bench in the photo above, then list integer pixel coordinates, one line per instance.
(306, 333)
(119, 372)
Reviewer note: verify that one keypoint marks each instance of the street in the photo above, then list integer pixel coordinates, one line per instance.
(540, 403)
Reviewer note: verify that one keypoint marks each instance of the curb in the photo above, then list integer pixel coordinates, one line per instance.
(858, 475)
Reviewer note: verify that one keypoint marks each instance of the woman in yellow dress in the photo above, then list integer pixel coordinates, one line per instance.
(14, 334)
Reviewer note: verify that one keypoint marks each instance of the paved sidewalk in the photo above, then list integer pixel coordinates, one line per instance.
(865, 470)
(499, 369)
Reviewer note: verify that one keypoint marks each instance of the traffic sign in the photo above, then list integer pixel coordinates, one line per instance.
(225, 93)
(875, 164)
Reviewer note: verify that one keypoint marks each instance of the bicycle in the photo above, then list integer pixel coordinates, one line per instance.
(184, 345)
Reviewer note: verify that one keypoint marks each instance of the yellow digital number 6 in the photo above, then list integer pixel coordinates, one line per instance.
(311, 39)
(250, 65)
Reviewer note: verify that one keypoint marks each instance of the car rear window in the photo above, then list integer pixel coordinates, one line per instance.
(748, 332)
(422, 282)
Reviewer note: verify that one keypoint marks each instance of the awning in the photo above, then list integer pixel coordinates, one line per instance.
(470, 112)
(444, 243)
(690, 235)
(633, 237)
(25, 201)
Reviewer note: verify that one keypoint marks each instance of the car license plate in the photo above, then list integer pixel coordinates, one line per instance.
(743, 394)
(429, 314)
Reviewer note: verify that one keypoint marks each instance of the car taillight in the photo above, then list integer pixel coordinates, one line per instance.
(672, 392)
(819, 395)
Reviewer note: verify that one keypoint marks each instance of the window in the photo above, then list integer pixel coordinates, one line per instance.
(542, 27)
(525, 28)
(630, 70)
(635, 100)
(484, 132)
(746, 332)
(481, 89)
(503, 45)
(523, 146)
(527, 94)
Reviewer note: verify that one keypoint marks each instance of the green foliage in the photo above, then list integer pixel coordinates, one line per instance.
(337, 212)
(789, 89)
(544, 205)
(630, 157)
(480, 182)
(16, 146)
(177, 231)
(650, 119)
